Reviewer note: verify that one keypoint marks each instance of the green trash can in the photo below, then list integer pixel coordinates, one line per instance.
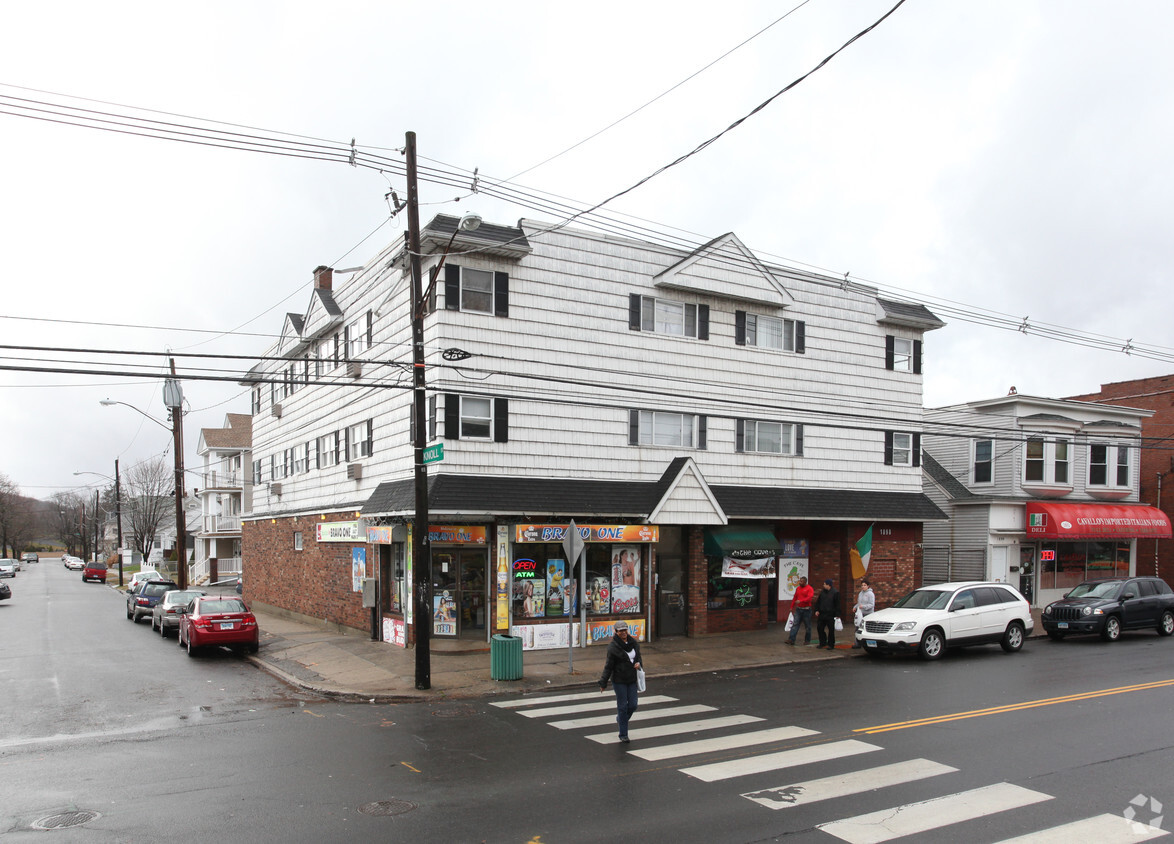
(505, 657)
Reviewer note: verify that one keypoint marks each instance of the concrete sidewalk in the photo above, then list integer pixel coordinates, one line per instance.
(349, 666)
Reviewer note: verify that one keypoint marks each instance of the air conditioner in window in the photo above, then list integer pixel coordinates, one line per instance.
(354, 471)
(275, 411)
(354, 368)
(275, 489)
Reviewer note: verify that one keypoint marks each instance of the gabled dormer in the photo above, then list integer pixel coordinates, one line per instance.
(726, 269)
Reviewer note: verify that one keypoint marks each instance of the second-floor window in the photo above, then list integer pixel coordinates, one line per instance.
(1108, 464)
(767, 332)
(328, 450)
(359, 335)
(1046, 461)
(256, 473)
(754, 435)
(300, 458)
(902, 354)
(476, 291)
(256, 402)
(653, 427)
(360, 440)
(902, 449)
(667, 316)
(983, 461)
(475, 418)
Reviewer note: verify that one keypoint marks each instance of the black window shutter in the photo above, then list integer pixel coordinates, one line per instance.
(888, 448)
(431, 418)
(800, 337)
(370, 437)
(452, 416)
(310, 456)
(740, 429)
(633, 427)
(703, 322)
(370, 330)
(346, 343)
(739, 331)
(798, 440)
(889, 339)
(634, 311)
(318, 453)
(501, 295)
(346, 445)
(452, 289)
(917, 357)
(501, 420)
(336, 348)
(701, 425)
(917, 449)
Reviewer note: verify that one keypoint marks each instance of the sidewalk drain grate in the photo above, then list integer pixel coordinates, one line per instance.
(461, 711)
(387, 808)
(65, 820)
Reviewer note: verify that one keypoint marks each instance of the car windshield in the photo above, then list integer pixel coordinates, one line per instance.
(1105, 589)
(224, 605)
(177, 597)
(151, 589)
(925, 599)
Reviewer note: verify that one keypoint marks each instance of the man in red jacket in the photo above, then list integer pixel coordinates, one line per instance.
(801, 610)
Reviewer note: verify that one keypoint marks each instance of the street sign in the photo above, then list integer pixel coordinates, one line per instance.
(572, 544)
(573, 547)
(434, 453)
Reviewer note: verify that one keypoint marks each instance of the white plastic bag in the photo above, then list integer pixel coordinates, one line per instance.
(839, 624)
(858, 619)
(790, 622)
(640, 679)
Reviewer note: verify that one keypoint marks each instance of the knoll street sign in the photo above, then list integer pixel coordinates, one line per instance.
(434, 453)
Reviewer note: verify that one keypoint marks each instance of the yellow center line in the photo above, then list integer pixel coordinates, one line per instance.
(1013, 707)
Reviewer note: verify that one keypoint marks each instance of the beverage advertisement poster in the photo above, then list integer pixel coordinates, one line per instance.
(625, 578)
(599, 595)
(555, 587)
(756, 564)
(444, 614)
(394, 632)
(538, 637)
(358, 568)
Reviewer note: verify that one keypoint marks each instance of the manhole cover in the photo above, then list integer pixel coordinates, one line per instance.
(386, 808)
(456, 712)
(65, 820)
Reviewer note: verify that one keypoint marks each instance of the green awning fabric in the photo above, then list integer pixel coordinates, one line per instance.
(740, 542)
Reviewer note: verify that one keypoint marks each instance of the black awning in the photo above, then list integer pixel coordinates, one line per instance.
(740, 542)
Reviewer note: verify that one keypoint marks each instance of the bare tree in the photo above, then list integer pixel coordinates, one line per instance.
(16, 518)
(68, 523)
(148, 488)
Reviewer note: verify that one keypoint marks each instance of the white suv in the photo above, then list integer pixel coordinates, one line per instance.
(933, 618)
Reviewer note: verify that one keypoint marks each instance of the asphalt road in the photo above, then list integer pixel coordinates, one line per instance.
(105, 717)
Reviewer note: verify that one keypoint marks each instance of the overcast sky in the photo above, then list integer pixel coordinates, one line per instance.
(1009, 155)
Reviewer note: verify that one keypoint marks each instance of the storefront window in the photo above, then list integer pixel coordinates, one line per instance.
(730, 593)
(391, 577)
(542, 581)
(1063, 565)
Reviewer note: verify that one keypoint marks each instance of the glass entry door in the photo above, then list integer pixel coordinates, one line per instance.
(460, 597)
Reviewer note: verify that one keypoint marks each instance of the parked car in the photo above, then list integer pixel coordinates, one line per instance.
(74, 563)
(141, 599)
(212, 621)
(7, 568)
(143, 576)
(165, 614)
(933, 618)
(5, 592)
(30, 557)
(1112, 604)
(16, 561)
(94, 571)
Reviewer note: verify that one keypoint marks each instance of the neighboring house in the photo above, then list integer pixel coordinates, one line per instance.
(164, 543)
(225, 494)
(692, 411)
(1157, 459)
(1042, 493)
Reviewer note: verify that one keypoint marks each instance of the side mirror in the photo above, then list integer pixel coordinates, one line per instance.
(1127, 596)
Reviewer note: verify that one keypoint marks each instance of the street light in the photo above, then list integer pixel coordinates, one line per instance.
(117, 502)
(173, 398)
(421, 558)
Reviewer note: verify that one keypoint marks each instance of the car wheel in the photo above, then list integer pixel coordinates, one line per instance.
(1112, 631)
(1055, 635)
(1166, 623)
(932, 645)
(1013, 638)
(191, 648)
(128, 613)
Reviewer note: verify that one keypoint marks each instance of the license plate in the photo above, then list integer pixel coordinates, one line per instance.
(226, 625)
(1063, 625)
(870, 642)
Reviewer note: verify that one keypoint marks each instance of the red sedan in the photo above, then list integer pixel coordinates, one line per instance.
(212, 621)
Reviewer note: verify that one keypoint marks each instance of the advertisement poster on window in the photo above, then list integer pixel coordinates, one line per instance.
(394, 632)
(502, 581)
(790, 570)
(555, 587)
(599, 596)
(529, 591)
(752, 564)
(358, 568)
(540, 637)
(444, 614)
(625, 578)
(603, 631)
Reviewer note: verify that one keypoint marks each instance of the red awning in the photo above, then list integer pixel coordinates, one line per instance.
(1068, 520)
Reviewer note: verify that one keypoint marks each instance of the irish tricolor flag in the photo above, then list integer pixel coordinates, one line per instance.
(861, 554)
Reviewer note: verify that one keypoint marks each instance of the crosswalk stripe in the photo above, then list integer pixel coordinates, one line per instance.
(1103, 829)
(843, 785)
(775, 761)
(641, 715)
(691, 748)
(594, 706)
(913, 818)
(534, 701)
(678, 728)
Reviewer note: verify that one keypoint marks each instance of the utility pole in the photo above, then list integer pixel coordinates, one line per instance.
(118, 516)
(173, 398)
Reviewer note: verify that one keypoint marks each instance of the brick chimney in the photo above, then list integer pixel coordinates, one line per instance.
(323, 278)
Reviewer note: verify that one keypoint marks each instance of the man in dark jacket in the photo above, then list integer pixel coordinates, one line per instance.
(827, 609)
(623, 660)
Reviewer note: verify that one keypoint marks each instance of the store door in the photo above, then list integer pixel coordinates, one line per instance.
(670, 607)
(473, 594)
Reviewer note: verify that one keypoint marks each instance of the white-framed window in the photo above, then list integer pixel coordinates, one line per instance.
(277, 467)
(1046, 461)
(770, 332)
(1109, 465)
(476, 290)
(256, 473)
(671, 429)
(358, 335)
(902, 449)
(256, 401)
(297, 540)
(359, 440)
(754, 435)
(664, 316)
(301, 458)
(902, 354)
(984, 454)
(328, 450)
(476, 418)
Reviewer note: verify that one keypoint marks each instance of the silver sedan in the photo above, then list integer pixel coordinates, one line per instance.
(165, 614)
